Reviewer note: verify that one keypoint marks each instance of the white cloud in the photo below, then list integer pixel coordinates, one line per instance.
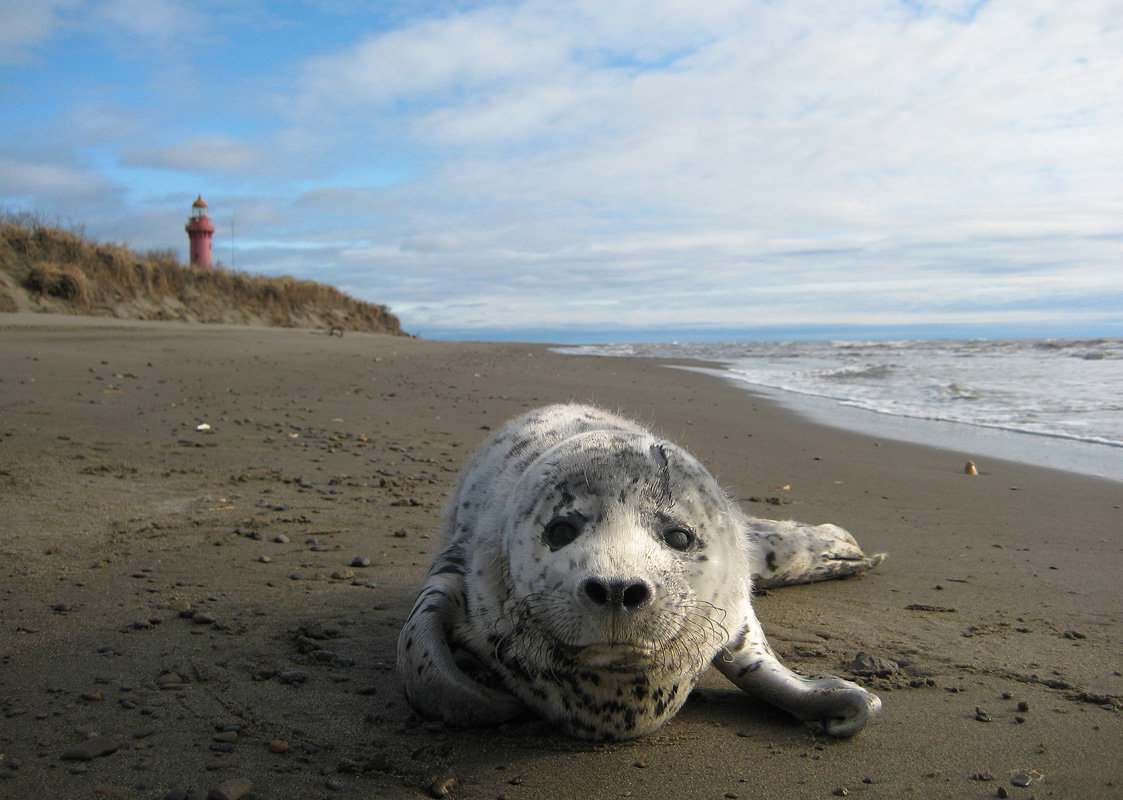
(151, 26)
(25, 26)
(50, 183)
(216, 154)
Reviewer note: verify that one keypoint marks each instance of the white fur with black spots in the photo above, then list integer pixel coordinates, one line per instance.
(591, 571)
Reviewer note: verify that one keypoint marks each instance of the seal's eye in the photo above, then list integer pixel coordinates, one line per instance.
(678, 538)
(559, 533)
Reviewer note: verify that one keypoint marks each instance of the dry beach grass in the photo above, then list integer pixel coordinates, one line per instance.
(48, 268)
(211, 535)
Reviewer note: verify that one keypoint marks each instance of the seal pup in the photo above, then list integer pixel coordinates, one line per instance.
(591, 571)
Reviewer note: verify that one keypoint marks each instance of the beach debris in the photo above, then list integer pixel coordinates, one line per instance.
(866, 664)
(203, 427)
(926, 607)
(970, 468)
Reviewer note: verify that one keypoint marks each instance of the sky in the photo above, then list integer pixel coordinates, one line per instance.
(599, 170)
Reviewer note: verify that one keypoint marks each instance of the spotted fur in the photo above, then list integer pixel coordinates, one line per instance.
(591, 571)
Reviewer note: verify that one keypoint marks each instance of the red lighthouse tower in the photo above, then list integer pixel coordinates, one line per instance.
(200, 229)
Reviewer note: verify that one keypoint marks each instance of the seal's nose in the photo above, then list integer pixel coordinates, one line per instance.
(629, 594)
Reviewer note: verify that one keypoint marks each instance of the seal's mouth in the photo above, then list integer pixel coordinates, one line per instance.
(613, 655)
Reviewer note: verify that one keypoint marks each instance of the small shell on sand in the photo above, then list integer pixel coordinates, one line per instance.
(971, 469)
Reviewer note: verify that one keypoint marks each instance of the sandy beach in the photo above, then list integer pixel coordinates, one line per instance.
(210, 536)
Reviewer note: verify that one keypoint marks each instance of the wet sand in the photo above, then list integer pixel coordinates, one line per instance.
(161, 582)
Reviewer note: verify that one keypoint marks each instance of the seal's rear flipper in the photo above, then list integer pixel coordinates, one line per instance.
(435, 684)
(790, 552)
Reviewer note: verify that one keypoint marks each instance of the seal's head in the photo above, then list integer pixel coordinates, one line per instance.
(622, 560)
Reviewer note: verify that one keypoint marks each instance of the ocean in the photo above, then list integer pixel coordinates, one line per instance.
(1053, 402)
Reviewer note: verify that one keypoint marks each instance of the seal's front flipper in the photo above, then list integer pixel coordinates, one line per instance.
(843, 707)
(435, 684)
(786, 553)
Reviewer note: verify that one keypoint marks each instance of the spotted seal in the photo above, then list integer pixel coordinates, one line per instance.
(591, 571)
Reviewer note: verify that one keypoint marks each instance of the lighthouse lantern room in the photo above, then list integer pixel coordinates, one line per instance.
(200, 229)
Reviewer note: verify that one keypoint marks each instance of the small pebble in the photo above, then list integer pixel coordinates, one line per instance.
(981, 715)
(1023, 706)
(278, 746)
(280, 538)
(442, 787)
(170, 680)
(334, 785)
(265, 559)
(93, 696)
(231, 789)
(344, 574)
(226, 736)
(177, 794)
(1021, 779)
(1001, 792)
(222, 747)
(94, 747)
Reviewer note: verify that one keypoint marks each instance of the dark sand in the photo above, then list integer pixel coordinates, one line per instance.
(116, 512)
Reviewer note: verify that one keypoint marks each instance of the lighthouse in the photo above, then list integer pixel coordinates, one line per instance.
(200, 229)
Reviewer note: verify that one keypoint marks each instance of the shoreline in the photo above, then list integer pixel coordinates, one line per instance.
(1098, 459)
(139, 546)
(972, 441)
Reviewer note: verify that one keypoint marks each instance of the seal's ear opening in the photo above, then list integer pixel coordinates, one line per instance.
(435, 683)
